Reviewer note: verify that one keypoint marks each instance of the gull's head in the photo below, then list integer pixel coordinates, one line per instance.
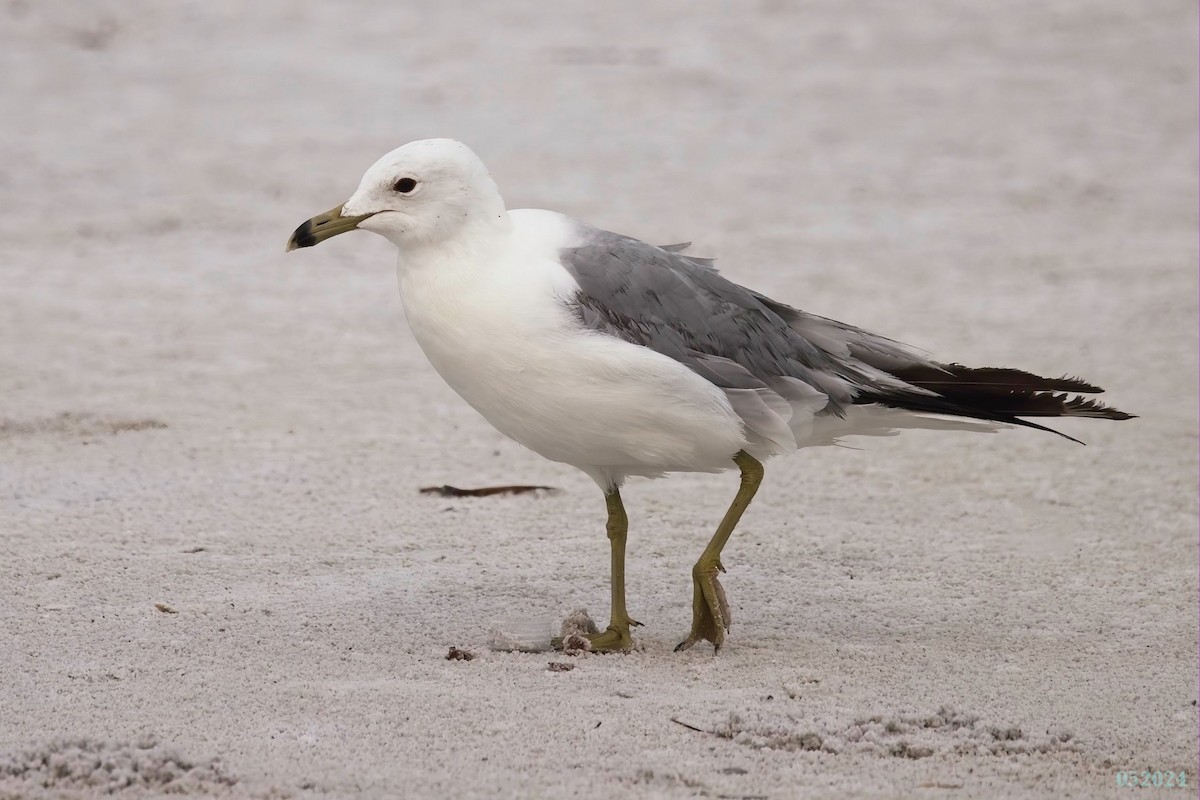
(423, 192)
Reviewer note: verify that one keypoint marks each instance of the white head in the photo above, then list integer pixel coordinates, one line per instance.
(424, 192)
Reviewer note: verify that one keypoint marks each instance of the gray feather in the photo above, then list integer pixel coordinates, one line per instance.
(684, 309)
(778, 365)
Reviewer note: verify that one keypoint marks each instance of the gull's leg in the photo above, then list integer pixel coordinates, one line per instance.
(710, 610)
(617, 636)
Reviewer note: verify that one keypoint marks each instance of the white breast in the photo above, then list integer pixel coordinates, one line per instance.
(495, 326)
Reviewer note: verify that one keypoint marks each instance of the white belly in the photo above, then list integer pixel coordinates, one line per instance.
(511, 349)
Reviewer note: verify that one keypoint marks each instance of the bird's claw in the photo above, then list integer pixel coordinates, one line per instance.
(710, 609)
(615, 639)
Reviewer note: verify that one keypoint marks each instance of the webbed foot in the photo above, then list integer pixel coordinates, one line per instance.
(615, 639)
(710, 609)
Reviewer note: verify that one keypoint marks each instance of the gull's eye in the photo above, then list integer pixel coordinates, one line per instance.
(405, 185)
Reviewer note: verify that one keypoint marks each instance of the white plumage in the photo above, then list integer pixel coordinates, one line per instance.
(498, 328)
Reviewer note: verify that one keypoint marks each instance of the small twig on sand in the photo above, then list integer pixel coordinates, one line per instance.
(689, 727)
(486, 491)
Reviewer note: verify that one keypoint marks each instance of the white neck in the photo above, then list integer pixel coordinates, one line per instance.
(474, 240)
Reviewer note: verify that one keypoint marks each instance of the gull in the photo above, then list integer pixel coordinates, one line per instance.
(625, 359)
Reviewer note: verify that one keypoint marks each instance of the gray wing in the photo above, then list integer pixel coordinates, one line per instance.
(762, 353)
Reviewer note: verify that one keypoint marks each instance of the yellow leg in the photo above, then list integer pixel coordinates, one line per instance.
(616, 637)
(710, 610)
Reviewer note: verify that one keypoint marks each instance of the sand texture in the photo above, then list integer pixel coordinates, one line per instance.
(218, 576)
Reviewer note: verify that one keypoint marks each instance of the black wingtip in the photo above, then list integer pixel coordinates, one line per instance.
(1027, 424)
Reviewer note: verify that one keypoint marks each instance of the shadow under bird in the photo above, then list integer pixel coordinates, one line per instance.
(625, 359)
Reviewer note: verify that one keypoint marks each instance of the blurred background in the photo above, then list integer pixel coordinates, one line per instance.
(944, 173)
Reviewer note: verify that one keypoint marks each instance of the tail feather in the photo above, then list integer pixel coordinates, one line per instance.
(993, 393)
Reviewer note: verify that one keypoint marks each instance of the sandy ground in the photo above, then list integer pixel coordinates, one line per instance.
(192, 419)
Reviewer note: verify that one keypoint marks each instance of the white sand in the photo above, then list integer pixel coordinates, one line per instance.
(195, 420)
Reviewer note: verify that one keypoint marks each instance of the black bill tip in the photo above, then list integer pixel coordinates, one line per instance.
(302, 236)
(324, 226)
